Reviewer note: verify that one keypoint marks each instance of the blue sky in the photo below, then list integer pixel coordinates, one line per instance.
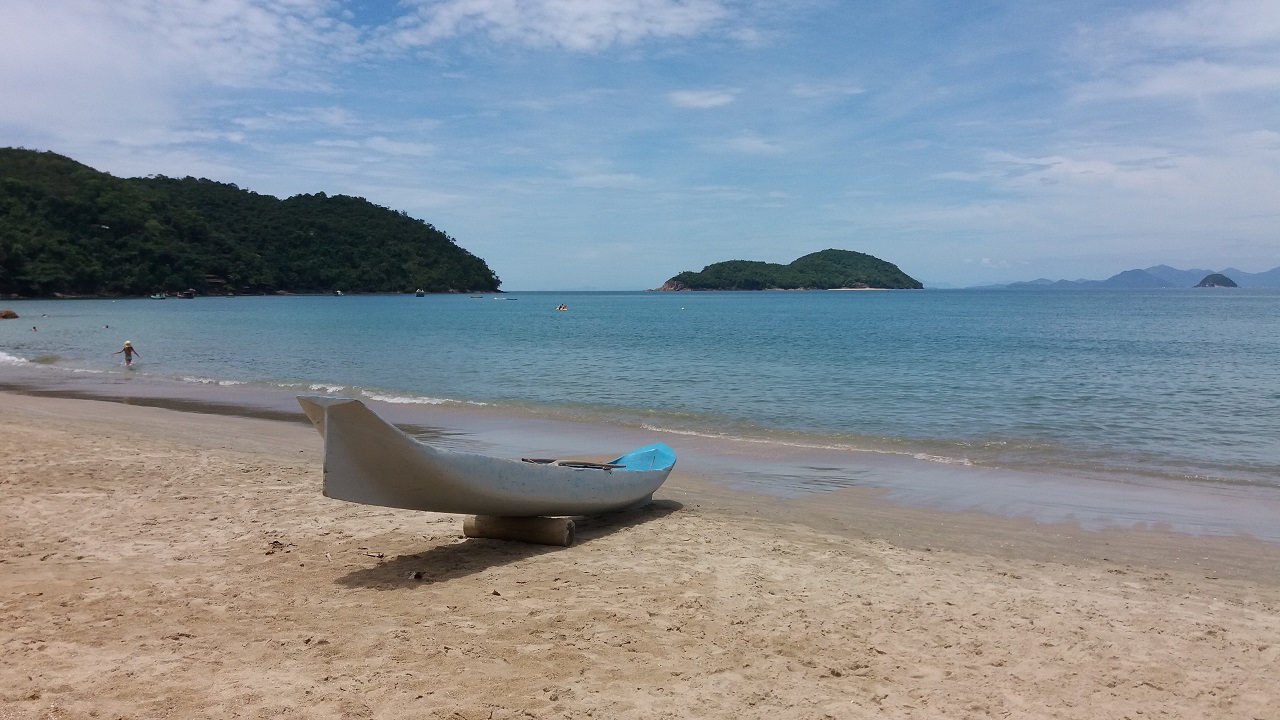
(610, 144)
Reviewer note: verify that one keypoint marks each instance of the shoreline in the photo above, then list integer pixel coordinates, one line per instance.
(866, 512)
(273, 293)
(773, 468)
(162, 562)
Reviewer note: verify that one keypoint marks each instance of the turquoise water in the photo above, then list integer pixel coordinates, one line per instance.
(1182, 385)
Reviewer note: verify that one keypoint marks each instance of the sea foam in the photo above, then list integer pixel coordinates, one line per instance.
(213, 381)
(404, 399)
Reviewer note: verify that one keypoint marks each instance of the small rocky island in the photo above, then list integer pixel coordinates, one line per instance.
(824, 270)
(1216, 280)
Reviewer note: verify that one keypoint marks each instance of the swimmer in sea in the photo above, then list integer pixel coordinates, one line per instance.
(128, 352)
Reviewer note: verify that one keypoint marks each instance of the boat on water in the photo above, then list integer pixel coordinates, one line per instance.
(159, 296)
(420, 293)
(368, 460)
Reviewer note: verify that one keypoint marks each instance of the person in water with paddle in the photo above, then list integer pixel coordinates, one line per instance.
(128, 352)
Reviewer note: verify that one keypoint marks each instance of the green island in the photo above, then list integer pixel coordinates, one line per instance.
(823, 270)
(67, 229)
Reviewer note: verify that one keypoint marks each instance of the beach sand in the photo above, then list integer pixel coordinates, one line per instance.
(156, 563)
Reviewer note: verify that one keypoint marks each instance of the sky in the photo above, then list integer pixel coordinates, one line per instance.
(612, 144)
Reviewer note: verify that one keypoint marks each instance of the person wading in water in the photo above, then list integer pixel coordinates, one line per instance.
(128, 352)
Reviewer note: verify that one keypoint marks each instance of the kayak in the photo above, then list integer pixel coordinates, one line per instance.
(368, 460)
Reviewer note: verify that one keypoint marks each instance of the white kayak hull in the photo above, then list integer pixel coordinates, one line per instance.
(368, 460)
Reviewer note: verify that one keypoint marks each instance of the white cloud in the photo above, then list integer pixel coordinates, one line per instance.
(607, 180)
(383, 145)
(80, 69)
(1210, 23)
(702, 99)
(596, 173)
(750, 144)
(811, 90)
(960, 176)
(1013, 171)
(395, 147)
(1166, 145)
(579, 25)
(1103, 200)
(721, 192)
(330, 117)
(1201, 48)
(1194, 79)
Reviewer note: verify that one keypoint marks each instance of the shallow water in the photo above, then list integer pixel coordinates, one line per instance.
(1176, 384)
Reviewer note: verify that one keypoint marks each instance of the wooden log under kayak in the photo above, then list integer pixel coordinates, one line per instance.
(537, 530)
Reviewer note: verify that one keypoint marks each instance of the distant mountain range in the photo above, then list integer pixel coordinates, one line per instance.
(1159, 276)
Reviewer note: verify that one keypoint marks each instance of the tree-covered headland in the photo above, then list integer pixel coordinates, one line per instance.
(67, 229)
(824, 270)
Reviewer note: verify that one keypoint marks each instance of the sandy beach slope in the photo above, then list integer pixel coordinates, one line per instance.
(155, 563)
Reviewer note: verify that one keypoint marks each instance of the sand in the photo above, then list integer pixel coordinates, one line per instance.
(156, 563)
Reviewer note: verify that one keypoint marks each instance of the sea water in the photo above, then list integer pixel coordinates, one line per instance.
(1178, 385)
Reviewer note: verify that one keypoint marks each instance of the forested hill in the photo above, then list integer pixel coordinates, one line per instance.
(824, 270)
(68, 229)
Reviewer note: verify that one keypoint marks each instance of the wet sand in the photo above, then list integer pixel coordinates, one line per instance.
(162, 563)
